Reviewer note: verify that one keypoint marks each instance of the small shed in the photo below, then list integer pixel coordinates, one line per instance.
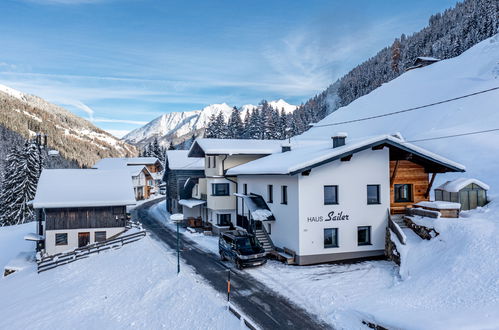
(470, 193)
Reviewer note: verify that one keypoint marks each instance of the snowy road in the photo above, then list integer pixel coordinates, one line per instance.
(268, 309)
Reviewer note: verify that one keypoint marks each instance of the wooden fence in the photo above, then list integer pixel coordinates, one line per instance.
(60, 259)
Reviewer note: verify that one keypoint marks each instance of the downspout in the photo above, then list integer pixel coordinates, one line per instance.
(235, 182)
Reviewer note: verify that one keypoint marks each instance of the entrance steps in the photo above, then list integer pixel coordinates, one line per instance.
(399, 220)
(265, 241)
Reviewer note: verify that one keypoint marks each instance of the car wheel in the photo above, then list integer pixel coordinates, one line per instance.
(239, 265)
(222, 256)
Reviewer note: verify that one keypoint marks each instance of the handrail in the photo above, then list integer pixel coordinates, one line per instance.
(395, 228)
(59, 259)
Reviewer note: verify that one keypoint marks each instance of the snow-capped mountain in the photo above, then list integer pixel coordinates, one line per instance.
(178, 126)
(74, 137)
(475, 70)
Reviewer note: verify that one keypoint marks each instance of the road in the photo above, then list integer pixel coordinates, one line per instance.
(258, 302)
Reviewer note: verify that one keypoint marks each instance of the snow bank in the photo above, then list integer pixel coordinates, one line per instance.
(133, 287)
(12, 242)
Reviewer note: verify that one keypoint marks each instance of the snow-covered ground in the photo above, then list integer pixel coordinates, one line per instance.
(449, 282)
(132, 287)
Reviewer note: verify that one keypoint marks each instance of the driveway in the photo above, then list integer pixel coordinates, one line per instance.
(265, 307)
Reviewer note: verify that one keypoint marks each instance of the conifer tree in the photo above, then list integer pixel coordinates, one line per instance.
(235, 125)
(19, 184)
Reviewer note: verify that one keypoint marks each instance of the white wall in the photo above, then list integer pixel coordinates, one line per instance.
(352, 178)
(284, 231)
(220, 202)
(51, 248)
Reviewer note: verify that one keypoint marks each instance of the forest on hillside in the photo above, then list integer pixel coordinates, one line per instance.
(447, 35)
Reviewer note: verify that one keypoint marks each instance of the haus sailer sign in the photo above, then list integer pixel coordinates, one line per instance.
(331, 216)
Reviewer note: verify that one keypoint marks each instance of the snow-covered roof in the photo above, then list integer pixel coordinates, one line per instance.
(84, 188)
(458, 184)
(179, 160)
(117, 163)
(202, 147)
(190, 203)
(305, 157)
(136, 169)
(427, 58)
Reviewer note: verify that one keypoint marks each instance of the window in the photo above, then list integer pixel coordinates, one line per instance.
(220, 189)
(364, 235)
(61, 239)
(270, 193)
(118, 210)
(100, 236)
(373, 194)
(223, 219)
(330, 237)
(284, 194)
(208, 161)
(402, 193)
(245, 188)
(214, 161)
(330, 195)
(438, 195)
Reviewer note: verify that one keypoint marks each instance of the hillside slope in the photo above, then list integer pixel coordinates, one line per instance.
(75, 138)
(180, 126)
(475, 70)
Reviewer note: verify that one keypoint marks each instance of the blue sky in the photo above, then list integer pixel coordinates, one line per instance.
(121, 63)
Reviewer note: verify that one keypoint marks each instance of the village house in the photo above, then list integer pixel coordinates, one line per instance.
(217, 188)
(77, 207)
(147, 173)
(180, 176)
(422, 61)
(324, 201)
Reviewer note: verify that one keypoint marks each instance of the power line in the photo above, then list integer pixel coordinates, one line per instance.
(409, 109)
(455, 135)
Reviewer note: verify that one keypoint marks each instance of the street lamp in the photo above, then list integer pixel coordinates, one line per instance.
(177, 218)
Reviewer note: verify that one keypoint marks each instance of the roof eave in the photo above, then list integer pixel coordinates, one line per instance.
(451, 167)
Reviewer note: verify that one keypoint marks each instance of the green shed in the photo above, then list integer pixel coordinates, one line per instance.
(470, 193)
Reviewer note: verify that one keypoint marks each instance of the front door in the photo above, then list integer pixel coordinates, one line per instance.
(83, 239)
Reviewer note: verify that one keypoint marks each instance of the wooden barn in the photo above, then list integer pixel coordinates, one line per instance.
(470, 193)
(180, 176)
(77, 207)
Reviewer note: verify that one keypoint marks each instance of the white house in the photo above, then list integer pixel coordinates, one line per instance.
(330, 200)
(149, 179)
(77, 207)
(217, 188)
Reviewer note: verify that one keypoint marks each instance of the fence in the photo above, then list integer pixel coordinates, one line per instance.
(60, 259)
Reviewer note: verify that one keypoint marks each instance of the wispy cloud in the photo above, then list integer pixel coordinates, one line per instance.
(122, 121)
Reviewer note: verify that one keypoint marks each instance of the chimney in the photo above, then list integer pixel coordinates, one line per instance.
(339, 139)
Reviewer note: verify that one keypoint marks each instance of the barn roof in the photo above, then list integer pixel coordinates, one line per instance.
(64, 188)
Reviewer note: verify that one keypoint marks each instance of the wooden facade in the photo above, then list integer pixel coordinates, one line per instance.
(407, 172)
(175, 182)
(85, 217)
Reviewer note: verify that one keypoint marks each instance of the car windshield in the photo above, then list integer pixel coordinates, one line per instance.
(245, 243)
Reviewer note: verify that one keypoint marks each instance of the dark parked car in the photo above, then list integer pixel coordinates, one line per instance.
(242, 248)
